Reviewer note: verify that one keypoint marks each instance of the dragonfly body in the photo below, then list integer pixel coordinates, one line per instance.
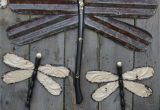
(121, 85)
(33, 79)
(124, 80)
(79, 97)
(27, 69)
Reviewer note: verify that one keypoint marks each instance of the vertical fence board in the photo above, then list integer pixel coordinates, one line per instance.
(12, 96)
(22, 87)
(89, 62)
(150, 58)
(110, 54)
(70, 54)
(52, 50)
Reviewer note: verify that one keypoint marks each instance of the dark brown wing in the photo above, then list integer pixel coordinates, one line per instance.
(43, 1)
(116, 8)
(44, 6)
(127, 35)
(122, 8)
(36, 29)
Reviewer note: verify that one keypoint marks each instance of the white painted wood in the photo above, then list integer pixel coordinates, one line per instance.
(139, 73)
(17, 76)
(137, 88)
(3, 3)
(17, 62)
(104, 91)
(100, 76)
(52, 87)
(50, 70)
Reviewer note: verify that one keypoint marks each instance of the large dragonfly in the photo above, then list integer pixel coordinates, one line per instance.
(125, 80)
(93, 14)
(26, 70)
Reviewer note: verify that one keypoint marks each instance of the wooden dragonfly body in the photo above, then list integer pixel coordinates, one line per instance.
(26, 69)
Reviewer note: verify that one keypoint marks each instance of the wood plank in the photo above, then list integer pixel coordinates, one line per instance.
(129, 2)
(70, 53)
(122, 12)
(110, 54)
(21, 88)
(44, 8)
(52, 50)
(43, 1)
(89, 62)
(150, 58)
(12, 96)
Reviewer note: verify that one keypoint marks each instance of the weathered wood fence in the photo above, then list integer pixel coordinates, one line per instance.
(99, 54)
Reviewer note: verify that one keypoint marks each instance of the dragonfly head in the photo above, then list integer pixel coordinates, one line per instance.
(39, 55)
(119, 64)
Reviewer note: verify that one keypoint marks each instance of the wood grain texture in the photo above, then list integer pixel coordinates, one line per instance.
(13, 96)
(52, 50)
(70, 55)
(151, 58)
(99, 54)
(89, 62)
(110, 54)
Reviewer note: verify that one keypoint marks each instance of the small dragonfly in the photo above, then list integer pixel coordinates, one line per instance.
(27, 68)
(127, 79)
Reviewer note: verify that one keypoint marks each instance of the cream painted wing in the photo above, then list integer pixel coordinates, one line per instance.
(50, 70)
(139, 73)
(104, 91)
(138, 89)
(17, 76)
(17, 62)
(100, 76)
(52, 87)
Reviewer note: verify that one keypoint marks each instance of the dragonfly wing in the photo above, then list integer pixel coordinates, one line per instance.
(100, 76)
(122, 8)
(120, 32)
(52, 87)
(104, 91)
(61, 72)
(16, 76)
(139, 73)
(44, 6)
(138, 89)
(17, 62)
